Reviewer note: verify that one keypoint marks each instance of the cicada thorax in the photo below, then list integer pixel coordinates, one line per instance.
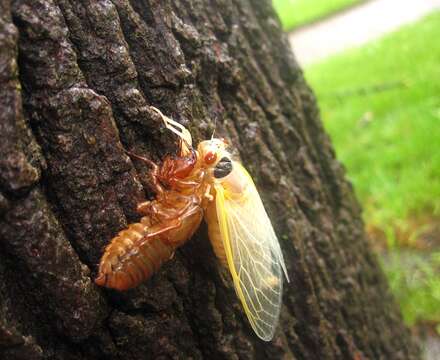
(225, 174)
(137, 252)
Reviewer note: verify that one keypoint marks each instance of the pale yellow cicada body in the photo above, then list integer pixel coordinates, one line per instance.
(253, 253)
(243, 238)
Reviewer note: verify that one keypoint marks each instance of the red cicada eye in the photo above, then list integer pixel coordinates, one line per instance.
(210, 157)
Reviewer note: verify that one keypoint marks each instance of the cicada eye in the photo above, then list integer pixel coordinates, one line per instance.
(223, 168)
(210, 157)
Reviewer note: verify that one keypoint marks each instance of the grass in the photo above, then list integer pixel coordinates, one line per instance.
(380, 104)
(294, 13)
(414, 279)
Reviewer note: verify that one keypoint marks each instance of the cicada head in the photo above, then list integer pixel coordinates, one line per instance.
(215, 157)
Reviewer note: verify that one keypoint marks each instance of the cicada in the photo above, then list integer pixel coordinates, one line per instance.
(203, 183)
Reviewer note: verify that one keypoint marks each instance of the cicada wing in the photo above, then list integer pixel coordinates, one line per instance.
(253, 253)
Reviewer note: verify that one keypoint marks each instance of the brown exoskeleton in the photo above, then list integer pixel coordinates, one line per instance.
(168, 222)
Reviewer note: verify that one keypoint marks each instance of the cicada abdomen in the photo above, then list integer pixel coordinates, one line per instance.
(132, 257)
(137, 252)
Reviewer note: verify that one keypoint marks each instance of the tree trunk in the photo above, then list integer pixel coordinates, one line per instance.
(76, 81)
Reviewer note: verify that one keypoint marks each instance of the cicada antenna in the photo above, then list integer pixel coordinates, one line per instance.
(215, 128)
(178, 129)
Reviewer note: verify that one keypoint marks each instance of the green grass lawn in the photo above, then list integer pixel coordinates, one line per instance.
(414, 278)
(381, 105)
(294, 13)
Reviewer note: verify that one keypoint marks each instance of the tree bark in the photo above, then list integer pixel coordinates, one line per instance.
(76, 81)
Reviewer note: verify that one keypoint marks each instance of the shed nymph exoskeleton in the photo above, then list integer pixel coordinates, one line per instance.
(207, 183)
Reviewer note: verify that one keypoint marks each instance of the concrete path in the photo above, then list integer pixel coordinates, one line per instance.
(432, 348)
(356, 26)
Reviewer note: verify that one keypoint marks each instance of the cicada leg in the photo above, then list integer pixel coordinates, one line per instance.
(207, 195)
(178, 129)
(144, 207)
(144, 159)
(154, 174)
(164, 214)
(176, 223)
(170, 220)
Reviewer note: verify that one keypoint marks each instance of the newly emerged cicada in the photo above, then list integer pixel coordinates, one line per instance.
(207, 183)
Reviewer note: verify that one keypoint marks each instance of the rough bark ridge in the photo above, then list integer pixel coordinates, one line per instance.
(77, 78)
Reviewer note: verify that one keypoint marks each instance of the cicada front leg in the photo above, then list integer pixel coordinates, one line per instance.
(158, 189)
(208, 194)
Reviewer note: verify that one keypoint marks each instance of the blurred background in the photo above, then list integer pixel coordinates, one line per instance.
(375, 68)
